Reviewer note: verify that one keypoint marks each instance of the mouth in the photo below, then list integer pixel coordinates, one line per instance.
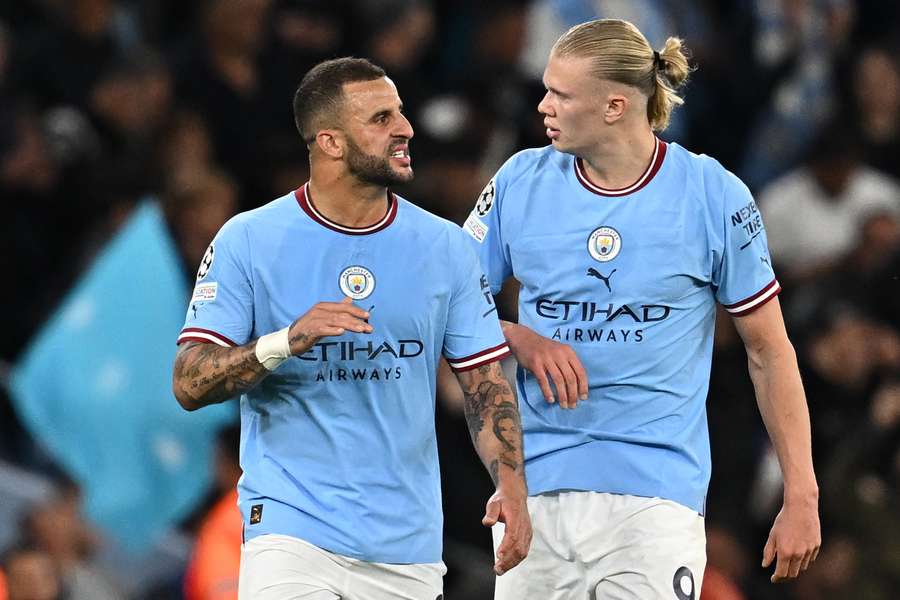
(552, 133)
(401, 155)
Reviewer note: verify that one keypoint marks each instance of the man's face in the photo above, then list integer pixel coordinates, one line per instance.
(573, 104)
(377, 133)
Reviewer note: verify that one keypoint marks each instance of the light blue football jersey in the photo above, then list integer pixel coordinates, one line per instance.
(338, 445)
(628, 278)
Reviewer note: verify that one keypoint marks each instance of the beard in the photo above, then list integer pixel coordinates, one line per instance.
(371, 168)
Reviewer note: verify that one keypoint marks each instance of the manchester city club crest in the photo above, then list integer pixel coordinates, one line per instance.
(604, 244)
(357, 282)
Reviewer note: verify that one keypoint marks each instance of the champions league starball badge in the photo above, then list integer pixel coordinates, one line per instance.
(357, 282)
(604, 244)
(206, 263)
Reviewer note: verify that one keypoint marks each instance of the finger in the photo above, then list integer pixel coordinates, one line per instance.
(542, 380)
(344, 307)
(352, 324)
(768, 552)
(508, 554)
(559, 383)
(331, 330)
(807, 558)
(815, 554)
(571, 382)
(580, 375)
(782, 567)
(794, 568)
(491, 515)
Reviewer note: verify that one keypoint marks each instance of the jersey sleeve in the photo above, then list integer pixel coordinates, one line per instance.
(742, 271)
(473, 336)
(221, 307)
(483, 227)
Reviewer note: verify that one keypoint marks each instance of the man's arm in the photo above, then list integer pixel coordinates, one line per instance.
(496, 429)
(208, 374)
(795, 537)
(548, 360)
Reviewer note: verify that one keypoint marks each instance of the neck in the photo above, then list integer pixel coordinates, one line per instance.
(342, 198)
(621, 160)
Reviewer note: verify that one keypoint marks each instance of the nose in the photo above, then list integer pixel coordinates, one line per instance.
(404, 128)
(545, 106)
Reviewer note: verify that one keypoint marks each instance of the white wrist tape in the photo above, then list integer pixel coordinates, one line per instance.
(273, 349)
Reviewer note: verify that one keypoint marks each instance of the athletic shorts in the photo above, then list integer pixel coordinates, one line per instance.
(593, 546)
(280, 567)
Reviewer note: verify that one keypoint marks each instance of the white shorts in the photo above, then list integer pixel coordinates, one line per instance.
(593, 546)
(280, 567)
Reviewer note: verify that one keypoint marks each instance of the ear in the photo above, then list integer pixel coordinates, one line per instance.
(330, 142)
(615, 107)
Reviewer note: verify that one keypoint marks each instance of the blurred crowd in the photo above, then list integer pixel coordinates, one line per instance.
(106, 103)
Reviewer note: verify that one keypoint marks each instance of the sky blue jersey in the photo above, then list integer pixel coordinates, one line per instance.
(338, 444)
(629, 278)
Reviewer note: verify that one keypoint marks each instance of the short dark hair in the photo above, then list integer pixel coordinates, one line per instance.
(321, 91)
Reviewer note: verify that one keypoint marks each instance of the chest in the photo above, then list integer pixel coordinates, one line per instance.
(644, 247)
(405, 287)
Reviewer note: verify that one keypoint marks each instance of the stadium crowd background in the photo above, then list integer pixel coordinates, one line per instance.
(105, 103)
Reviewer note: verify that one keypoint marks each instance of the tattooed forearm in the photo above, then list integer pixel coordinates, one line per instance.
(493, 418)
(208, 374)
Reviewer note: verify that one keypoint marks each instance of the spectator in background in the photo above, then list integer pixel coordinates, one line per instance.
(196, 206)
(794, 47)
(814, 214)
(876, 92)
(216, 561)
(129, 106)
(58, 529)
(60, 63)
(5, 50)
(846, 359)
(29, 183)
(221, 79)
(31, 574)
(186, 147)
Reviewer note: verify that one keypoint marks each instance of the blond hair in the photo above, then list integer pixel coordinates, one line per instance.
(619, 52)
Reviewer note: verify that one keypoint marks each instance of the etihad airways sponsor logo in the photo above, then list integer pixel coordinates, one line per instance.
(355, 350)
(589, 311)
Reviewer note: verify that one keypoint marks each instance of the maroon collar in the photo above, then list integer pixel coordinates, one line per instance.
(306, 203)
(659, 154)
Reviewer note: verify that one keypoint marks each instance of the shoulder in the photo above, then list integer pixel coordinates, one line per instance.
(708, 168)
(259, 221)
(877, 183)
(421, 219)
(531, 161)
(429, 226)
(720, 187)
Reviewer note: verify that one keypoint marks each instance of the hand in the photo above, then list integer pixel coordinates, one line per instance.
(544, 357)
(327, 319)
(795, 539)
(512, 510)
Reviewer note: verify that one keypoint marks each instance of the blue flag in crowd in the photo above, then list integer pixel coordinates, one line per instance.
(95, 388)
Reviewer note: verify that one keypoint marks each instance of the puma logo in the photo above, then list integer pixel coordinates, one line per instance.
(605, 279)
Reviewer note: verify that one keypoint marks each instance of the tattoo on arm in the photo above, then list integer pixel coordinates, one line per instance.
(208, 374)
(489, 401)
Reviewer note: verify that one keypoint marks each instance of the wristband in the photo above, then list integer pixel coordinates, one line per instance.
(273, 349)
